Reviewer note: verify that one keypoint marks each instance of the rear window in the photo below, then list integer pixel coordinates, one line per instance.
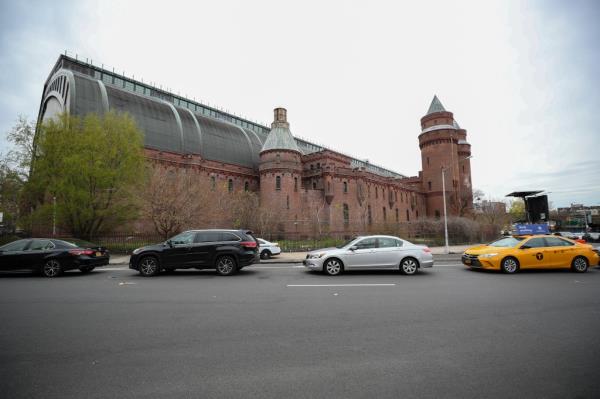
(208, 236)
(64, 244)
(229, 237)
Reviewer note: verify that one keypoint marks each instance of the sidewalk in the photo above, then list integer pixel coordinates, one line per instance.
(298, 257)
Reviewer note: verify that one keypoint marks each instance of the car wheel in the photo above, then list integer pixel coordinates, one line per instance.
(409, 266)
(52, 268)
(265, 254)
(509, 265)
(579, 264)
(86, 269)
(333, 267)
(226, 266)
(149, 266)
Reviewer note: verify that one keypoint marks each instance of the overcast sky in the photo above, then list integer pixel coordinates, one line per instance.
(356, 76)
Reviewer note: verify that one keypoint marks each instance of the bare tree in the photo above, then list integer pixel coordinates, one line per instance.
(174, 198)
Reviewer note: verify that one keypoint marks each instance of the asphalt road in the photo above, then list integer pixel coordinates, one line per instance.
(277, 332)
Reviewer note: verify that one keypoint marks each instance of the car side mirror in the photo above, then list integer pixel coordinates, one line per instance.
(353, 248)
(169, 243)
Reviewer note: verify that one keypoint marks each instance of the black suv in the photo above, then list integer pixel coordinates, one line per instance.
(227, 251)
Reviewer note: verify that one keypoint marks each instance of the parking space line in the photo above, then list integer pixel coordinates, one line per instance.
(340, 285)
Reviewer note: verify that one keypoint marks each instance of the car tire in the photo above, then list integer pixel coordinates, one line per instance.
(148, 266)
(409, 266)
(225, 265)
(579, 264)
(266, 254)
(509, 265)
(86, 269)
(333, 267)
(52, 268)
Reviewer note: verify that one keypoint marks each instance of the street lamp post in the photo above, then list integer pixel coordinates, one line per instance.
(444, 196)
(53, 216)
(445, 213)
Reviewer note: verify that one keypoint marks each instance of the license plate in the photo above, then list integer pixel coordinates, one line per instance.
(98, 253)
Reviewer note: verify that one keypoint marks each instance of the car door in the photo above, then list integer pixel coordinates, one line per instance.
(532, 253)
(389, 252)
(560, 252)
(176, 254)
(37, 251)
(362, 255)
(11, 255)
(204, 248)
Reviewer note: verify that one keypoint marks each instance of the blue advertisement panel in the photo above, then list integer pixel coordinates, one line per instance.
(522, 229)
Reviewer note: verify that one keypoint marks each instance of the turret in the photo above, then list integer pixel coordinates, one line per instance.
(444, 147)
(280, 168)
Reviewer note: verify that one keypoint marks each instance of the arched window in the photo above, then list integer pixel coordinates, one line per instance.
(407, 216)
(346, 214)
(384, 214)
(287, 202)
(230, 185)
(213, 183)
(314, 184)
(345, 187)
(429, 185)
(437, 214)
(376, 192)
(246, 186)
(369, 217)
(397, 215)
(278, 183)
(417, 213)
(295, 184)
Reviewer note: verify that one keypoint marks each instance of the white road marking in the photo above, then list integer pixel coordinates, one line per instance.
(340, 285)
(114, 268)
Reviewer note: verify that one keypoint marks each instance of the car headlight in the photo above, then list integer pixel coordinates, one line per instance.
(316, 256)
(488, 255)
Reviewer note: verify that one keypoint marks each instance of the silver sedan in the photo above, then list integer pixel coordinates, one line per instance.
(370, 252)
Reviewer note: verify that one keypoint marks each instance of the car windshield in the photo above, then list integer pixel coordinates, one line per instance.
(346, 243)
(506, 242)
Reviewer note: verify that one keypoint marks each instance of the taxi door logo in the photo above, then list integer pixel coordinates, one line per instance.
(539, 256)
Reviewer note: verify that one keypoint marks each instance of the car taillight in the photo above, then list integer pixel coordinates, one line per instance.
(248, 244)
(77, 252)
(427, 250)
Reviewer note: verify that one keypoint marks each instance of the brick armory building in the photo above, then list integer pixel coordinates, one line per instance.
(303, 183)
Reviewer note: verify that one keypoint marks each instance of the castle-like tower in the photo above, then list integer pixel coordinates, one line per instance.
(444, 147)
(280, 169)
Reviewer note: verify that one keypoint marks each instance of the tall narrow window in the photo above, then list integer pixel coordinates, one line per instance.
(287, 202)
(346, 214)
(437, 214)
(318, 165)
(376, 192)
(369, 217)
(397, 215)
(407, 216)
(429, 185)
(345, 187)
(213, 183)
(427, 161)
(417, 213)
(246, 186)
(278, 158)
(463, 168)
(384, 214)
(230, 185)
(314, 184)
(278, 183)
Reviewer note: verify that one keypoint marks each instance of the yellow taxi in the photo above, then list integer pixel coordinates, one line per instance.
(510, 254)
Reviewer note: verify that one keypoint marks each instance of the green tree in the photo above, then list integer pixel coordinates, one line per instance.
(517, 210)
(94, 167)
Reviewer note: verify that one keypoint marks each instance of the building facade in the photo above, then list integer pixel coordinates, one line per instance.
(310, 189)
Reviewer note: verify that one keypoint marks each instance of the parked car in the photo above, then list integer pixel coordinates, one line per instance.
(227, 251)
(267, 249)
(510, 254)
(370, 252)
(51, 257)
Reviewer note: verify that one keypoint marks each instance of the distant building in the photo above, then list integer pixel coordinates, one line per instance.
(303, 182)
(490, 206)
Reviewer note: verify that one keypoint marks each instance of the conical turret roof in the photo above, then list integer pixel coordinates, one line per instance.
(436, 106)
(280, 137)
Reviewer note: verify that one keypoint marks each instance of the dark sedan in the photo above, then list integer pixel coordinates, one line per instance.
(51, 257)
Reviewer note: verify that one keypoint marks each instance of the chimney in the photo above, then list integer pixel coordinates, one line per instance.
(280, 118)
